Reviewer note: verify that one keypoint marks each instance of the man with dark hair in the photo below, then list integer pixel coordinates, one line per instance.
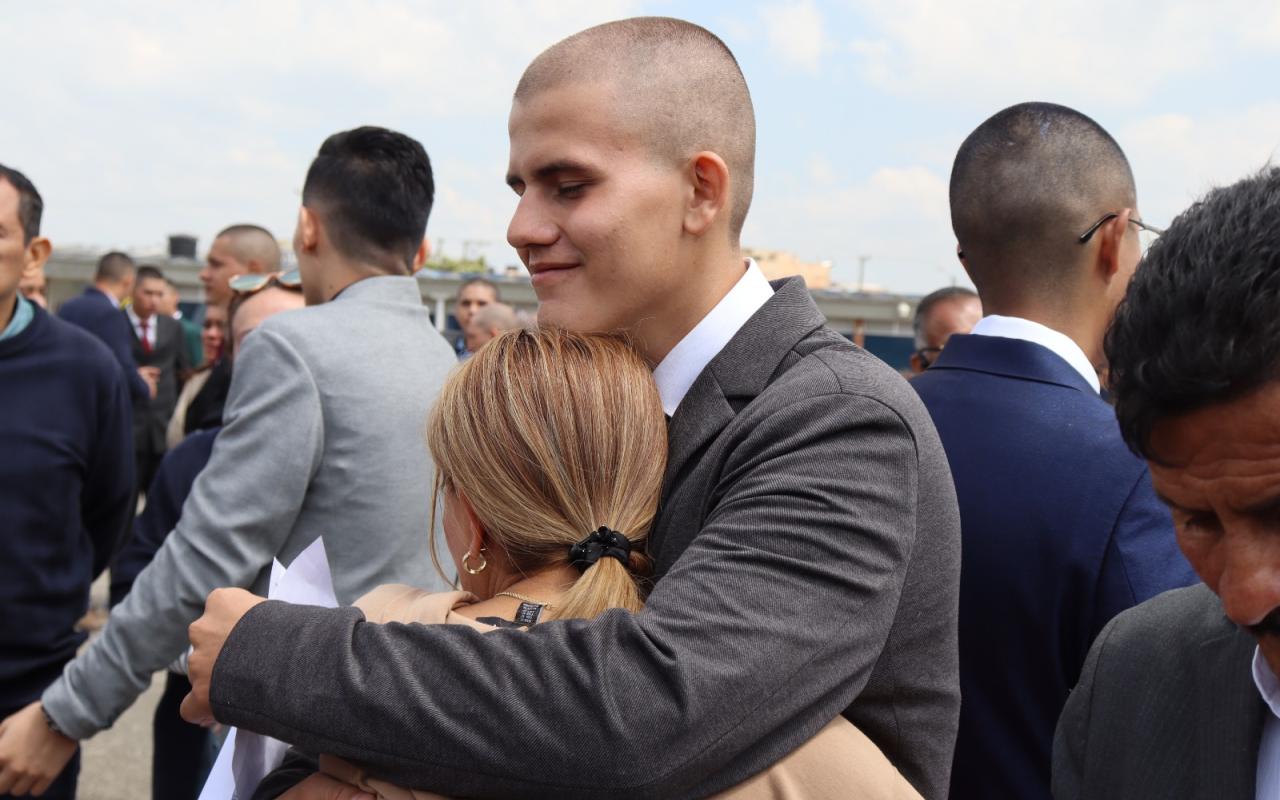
(97, 310)
(1179, 696)
(158, 344)
(473, 295)
(242, 249)
(323, 436)
(947, 311)
(806, 549)
(1061, 528)
(66, 489)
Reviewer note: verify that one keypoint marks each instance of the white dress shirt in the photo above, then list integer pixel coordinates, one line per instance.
(1058, 343)
(685, 362)
(136, 322)
(1269, 749)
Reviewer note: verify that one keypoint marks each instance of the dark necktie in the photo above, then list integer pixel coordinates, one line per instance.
(146, 343)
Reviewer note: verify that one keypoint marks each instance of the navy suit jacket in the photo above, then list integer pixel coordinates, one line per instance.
(1060, 531)
(96, 313)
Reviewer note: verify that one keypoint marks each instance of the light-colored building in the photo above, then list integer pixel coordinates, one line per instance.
(777, 264)
(880, 320)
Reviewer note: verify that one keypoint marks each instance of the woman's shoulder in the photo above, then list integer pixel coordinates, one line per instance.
(400, 603)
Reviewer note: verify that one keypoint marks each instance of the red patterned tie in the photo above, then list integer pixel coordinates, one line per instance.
(146, 343)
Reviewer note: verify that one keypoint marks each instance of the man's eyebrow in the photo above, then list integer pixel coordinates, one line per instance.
(550, 170)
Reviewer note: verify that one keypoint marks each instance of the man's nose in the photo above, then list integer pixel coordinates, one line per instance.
(1250, 582)
(530, 227)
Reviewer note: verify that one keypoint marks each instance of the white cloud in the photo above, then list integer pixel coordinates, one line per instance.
(1096, 49)
(795, 32)
(897, 215)
(1176, 158)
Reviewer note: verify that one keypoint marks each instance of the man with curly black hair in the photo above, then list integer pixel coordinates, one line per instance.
(1195, 368)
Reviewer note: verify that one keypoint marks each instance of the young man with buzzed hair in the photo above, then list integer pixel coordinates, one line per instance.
(97, 310)
(66, 484)
(1062, 530)
(323, 438)
(806, 548)
(242, 249)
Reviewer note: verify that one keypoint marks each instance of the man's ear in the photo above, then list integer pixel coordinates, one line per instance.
(709, 182)
(38, 251)
(420, 257)
(1110, 238)
(308, 229)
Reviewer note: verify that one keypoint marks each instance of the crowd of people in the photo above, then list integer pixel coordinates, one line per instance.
(677, 538)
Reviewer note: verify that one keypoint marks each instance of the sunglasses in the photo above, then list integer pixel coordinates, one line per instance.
(251, 284)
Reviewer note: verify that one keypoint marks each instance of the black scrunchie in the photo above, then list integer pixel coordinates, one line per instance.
(603, 542)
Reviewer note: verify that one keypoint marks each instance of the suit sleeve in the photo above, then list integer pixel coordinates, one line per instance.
(120, 340)
(242, 507)
(765, 629)
(1142, 558)
(1071, 739)
(107, 503)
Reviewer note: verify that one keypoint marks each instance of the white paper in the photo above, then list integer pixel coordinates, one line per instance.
(246, 758)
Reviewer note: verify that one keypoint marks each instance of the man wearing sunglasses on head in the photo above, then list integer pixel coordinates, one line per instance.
(318, 440)
(1061, 529)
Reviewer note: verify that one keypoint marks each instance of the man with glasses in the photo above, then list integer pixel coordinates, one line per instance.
(322, 438)
(939, 315)
(1061, 528)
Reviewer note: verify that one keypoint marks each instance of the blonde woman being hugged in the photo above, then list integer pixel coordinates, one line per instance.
(550, 448)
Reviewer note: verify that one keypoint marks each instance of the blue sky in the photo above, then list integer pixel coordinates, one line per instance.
(145, 119)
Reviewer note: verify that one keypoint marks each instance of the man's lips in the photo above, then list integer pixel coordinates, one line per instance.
(545, 274)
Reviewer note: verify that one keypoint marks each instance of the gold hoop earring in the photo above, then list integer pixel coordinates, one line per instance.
(484, 562)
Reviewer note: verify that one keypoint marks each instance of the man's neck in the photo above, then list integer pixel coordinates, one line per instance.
(659, 334)
(1077, 325)
(336, 276)
(8, 307)
(109, 291)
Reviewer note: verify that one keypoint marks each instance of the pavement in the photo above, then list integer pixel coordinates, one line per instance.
(116, 764)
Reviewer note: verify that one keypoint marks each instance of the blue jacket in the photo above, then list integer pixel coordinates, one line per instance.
(96, 313)
(1060, 531)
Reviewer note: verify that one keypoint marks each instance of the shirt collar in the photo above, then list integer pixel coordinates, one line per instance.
(1056, 342)
(1266, 681)
(23, 313)
(685, 362)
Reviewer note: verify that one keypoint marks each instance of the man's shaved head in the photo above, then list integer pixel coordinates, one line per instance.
(680, 88)
(1024, 186)
(253, 245)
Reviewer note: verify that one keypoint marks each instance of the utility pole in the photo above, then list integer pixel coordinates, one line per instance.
(862, 272)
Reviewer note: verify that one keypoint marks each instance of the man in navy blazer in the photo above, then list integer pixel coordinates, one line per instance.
(1060, 527)
(97, 310)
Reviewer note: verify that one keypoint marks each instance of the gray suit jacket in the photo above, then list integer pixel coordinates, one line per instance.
(808, 564)
(1166, 707)
(323, 437)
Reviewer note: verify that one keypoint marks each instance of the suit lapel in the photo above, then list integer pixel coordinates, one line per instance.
(1230, 717)
(735, 376)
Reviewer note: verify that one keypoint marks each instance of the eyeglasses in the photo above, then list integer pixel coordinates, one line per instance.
(928, 355)
(1142, 226)
(254, 283)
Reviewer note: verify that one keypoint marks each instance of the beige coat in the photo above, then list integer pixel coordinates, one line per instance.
(839, 762)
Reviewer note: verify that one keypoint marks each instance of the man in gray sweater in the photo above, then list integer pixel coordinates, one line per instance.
(322, 439)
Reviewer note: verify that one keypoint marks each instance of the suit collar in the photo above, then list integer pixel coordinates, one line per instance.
(1230, 714)
(382, 289)
(741, 370)
(1010, 358)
